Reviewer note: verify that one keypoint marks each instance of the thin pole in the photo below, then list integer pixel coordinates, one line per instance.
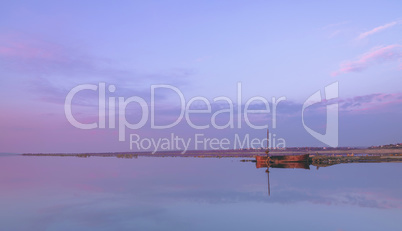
(269, 190)
(267, 142)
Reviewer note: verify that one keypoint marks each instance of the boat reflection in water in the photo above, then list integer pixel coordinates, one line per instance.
(289, 161)
(286, 161)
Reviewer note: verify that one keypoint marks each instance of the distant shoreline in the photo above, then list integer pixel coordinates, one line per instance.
(235, 153)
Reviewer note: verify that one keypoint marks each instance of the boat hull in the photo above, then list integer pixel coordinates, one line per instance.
(289, 158)
(286, 161)
(300, 165)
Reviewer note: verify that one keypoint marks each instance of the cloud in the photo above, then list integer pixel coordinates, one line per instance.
(334, 29)
(31, 57)
(334, 25)
(376, 56)
(27, 54)
(26, 51)
(372, 103)
(50, 70)
(334, 33)
(376, 30)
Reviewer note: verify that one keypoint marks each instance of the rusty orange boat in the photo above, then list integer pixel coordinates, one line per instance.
(267, 164)
(285, 161)
(270, 159)
(289, 158)
(283, 158)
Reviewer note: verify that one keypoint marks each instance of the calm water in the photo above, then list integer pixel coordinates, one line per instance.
(173, 193)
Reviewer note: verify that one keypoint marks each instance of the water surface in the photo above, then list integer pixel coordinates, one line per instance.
(177, 193)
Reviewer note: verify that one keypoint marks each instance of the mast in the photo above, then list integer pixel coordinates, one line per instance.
(269, 190)
(267, 151)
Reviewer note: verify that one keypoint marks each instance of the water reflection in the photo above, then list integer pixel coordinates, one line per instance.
(174, 193)
(264, 162)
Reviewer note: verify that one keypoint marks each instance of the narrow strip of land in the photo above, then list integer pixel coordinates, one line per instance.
(346, 152)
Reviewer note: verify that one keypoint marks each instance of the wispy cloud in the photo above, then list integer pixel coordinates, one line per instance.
(372, 103)
(51, 70)
(335, 29)
(334, 33)
(334, 25)
(376, 56)
(26, 47)
(376, 30)
(26, 54)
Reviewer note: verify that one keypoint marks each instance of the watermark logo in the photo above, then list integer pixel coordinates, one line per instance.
(112, 114)
(331, 135)
(200, 142)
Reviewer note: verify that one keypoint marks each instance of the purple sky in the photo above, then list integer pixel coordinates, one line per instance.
(204, 49)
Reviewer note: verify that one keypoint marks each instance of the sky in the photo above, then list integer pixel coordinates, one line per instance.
(204, 52)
